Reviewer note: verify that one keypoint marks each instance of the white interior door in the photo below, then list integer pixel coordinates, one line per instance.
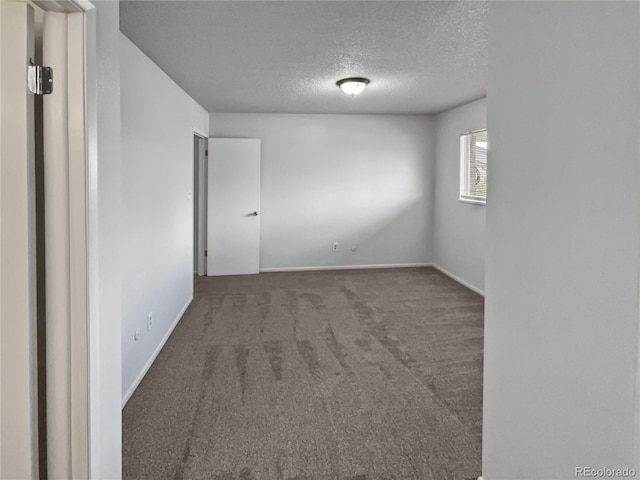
(233, 220)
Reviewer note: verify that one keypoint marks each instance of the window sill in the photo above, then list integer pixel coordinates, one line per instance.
(473, 201)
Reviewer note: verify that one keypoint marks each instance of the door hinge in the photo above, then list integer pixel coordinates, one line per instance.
(206, 152)
(40, 79)
(205, 253)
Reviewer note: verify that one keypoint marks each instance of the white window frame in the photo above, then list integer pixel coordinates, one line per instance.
(464, 167)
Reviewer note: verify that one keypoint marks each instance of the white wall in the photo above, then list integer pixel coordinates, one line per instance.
(563, 242)
(352, 179)
(158, 119)
(459, 228)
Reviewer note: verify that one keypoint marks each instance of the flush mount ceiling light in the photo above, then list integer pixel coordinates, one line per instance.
(352, 86)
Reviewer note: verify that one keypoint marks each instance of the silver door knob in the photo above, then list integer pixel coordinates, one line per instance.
(254, 214)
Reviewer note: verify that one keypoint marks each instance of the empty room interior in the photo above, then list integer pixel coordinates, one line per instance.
(335, 325)
(333, 240)
(304, 264)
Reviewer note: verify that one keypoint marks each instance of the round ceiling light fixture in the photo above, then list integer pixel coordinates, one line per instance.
(353, 85)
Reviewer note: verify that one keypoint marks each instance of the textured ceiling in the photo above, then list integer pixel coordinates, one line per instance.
(285, 56)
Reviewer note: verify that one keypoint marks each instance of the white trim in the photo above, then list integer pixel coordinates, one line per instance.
(458, 279)
(152, 359)
(83, 5)
(64, 6)
(95, 369)
(636, 436)
(480, 478)
(104, 270)
(474, 201)
(78, 243)
(343, 267)
(65, 164)
(200, 133)
(473, 131)
(18, 311)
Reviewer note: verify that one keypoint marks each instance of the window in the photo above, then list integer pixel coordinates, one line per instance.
(473, 167)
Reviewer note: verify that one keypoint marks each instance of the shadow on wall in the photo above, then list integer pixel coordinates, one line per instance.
(378, 233)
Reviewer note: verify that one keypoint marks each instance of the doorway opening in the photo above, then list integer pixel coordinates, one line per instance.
(44, 175)
(199, 204)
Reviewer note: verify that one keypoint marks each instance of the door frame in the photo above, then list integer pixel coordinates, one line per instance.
(200, 176)
(18, 379)
(102, 79)
(66, 252)
(73, 203)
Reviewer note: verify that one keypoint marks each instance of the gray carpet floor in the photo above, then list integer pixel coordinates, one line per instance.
(342, 375)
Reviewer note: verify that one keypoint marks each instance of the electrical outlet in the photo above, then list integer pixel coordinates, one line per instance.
(136, 334)
(149, 320)
(334, 247)
(354, 248)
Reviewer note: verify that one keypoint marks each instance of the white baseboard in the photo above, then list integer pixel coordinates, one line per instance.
(480, 478)
(343, 267)
(146, 368)
(461, 282)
